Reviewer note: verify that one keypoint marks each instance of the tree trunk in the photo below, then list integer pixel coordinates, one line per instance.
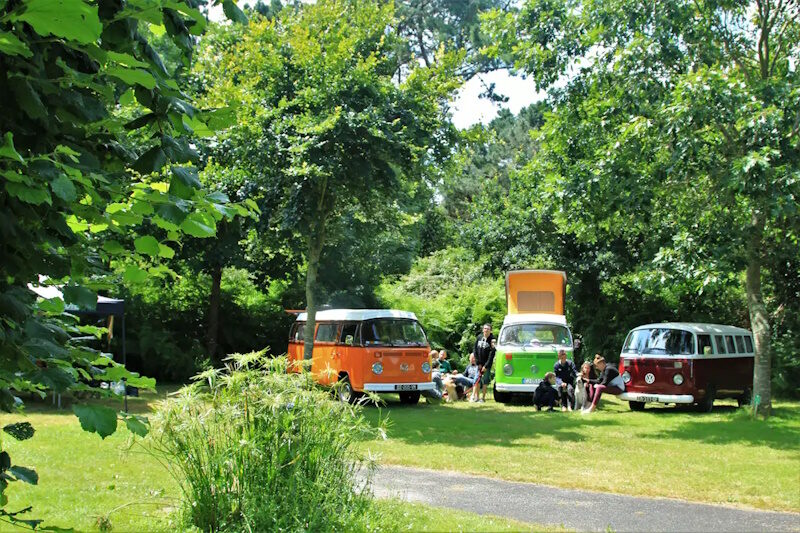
(759, 319)
(212, 334)
(315, 242)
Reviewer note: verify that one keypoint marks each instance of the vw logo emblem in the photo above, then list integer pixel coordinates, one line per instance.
(404, 367)
(649, 378)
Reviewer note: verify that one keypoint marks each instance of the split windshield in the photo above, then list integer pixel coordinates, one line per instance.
(535, 335)
(392, 332)
(659, 341)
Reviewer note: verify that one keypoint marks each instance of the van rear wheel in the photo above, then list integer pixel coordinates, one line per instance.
(636, 406)
(746, 398)
(409, 398)
(707, 405)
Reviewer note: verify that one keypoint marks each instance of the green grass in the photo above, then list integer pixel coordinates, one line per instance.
(723, 457)
(84, 480)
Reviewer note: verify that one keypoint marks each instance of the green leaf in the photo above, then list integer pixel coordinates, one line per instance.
(97, 418)
(25, 475)
(11, 45)
(198, 226)
(165, 251)
(184, 182)
(134, 274)
(151, 161)
(233, 12)
(113, 247)
(81, 297)
(27, 98)
(7, 149)
(64, 189)
(28, 194)
(133, 76)
(125, 59)
(71, 19)
(54, 306)
(137, 425)
(147, 245)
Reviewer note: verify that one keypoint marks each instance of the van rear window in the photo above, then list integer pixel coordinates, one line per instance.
(740, 344)
(748, 341)
(731, 347)
(704, 341)
(720, 340)
(327, 332)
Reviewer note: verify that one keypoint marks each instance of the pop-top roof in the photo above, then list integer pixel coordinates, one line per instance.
(698, 327)
(535, 318)
(357, 314)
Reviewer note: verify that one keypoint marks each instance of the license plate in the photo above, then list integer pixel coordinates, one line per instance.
(405, 387)
(647, 399)
(531, 381)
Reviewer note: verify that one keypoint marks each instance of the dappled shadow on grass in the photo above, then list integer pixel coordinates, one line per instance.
(780, 432)
(481, 424)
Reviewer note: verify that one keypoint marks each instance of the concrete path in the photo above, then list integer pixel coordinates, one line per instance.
(574, 509)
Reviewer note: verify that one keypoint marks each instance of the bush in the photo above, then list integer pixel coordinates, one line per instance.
(256, 449)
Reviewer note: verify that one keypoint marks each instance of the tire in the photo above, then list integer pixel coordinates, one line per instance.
(636, 406)
(500, 396)
(345, 392)
(409, 398)
(746, 398)
(707, 405)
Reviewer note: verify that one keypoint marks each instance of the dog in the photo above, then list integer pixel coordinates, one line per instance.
(581, 399)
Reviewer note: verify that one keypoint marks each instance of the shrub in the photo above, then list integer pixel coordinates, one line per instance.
(256, 449)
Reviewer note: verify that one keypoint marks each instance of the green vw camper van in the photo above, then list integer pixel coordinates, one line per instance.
(533, 332)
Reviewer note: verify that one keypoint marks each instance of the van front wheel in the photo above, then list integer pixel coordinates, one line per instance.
(409, 398)
(707, 405)
(345, 392)
(501, 397)
(636, 406)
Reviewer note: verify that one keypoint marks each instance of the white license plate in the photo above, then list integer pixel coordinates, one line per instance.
(405, 387)
(531, 381)
(647, 399)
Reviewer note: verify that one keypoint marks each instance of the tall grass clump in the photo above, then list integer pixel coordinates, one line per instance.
(256, 449)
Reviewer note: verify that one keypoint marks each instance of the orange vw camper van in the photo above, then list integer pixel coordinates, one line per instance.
(378, 350)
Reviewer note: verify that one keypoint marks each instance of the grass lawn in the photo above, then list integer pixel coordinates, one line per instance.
(723, 457)
(85, 481)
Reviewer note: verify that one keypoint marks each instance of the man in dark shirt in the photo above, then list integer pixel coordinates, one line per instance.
(565, 372)
(484, 355)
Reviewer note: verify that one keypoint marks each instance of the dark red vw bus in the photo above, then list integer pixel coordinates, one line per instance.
(687, 363)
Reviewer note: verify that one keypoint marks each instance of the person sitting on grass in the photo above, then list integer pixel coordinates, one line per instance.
(444, 364)
(608, 381)
(583, 388)
(465, 380)
(546, 394)
(435, 395)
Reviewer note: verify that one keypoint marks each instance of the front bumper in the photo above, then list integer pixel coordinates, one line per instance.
(515, 387)
(399, 387)
(656, 398)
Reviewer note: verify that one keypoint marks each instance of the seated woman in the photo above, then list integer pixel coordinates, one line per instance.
(583, 388)
(609, 381)
(546, 394)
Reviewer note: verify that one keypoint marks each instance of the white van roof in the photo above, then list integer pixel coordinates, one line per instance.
(535, 318)
(698, 327)
(357, 315)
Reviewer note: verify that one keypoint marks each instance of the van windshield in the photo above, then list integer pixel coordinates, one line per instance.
(659, 341)
(392, 332)
(535, 335)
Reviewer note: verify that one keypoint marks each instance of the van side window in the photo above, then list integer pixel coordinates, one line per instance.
(296, 333)
(327, 332)
(731, 346)
(348, 329)
(720, 340)
(740, 344)
(748, 342)
(702, 342)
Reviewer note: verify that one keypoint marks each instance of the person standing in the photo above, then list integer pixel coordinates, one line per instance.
(484, 355)
(565, 372)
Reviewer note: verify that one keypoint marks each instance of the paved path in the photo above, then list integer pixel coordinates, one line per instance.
(574, 509)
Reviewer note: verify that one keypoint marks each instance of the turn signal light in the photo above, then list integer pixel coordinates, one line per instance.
(508, 357)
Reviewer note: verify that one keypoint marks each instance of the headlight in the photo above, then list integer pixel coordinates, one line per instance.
(677, 379)
(626, 377)
(508, 370)
(534, 369)
(377, 368)
(426, 367)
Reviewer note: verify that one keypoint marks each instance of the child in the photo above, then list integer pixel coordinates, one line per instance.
(582, 386)
(546, 394)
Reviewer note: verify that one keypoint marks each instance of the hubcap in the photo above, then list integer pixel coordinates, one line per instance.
(345, 392)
